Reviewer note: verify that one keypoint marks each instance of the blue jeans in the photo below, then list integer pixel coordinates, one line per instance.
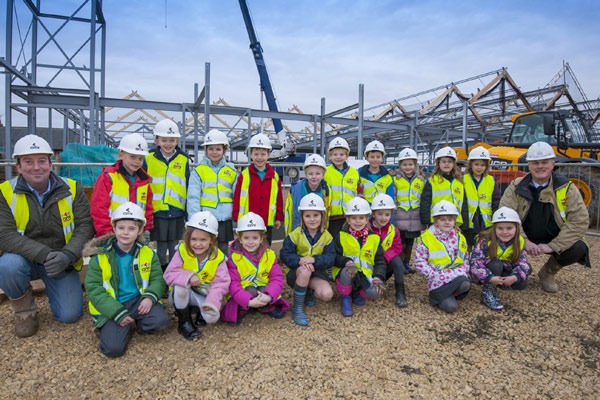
(64, 291)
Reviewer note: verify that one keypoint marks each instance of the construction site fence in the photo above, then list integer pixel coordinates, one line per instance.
(585, 175)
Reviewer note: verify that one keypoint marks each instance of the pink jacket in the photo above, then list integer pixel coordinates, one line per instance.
(396, 247)
(435, 277)
(175, 275)
(239, 296)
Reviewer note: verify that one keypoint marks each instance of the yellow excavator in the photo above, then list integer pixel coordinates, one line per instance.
(573, 142)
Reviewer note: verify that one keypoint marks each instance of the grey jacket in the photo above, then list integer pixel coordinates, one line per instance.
(44, 231)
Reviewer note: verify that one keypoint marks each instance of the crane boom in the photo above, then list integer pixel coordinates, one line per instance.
(265, 82)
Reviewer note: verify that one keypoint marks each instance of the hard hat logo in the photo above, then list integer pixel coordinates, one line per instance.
(127, 212)
(139, 147)
(251, 224)
(34, 146)
(355, 208)
(312, 203)
(259, 142)
(443, 209)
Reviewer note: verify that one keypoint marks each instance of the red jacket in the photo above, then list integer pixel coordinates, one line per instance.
(259, 193)
(100, 202)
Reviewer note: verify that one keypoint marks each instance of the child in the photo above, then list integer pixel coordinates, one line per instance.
(314, 169)
(258, 188)
(499, 258)
(122, 182)
(481, 193)
(256, 278)
(382, 208)
(445, 183)
(168, 166)
(375, 178)
(409, 185)
(124, 282)
(198, 275)
(441, 255)
(309, 253)
(211, 186)
(343, 181)
(359, 266)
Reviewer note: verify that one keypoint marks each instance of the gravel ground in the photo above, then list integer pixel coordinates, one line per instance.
(541, 346)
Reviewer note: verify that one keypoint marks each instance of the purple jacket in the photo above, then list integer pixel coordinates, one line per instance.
(396, 247)
(175, 275)
(479, 260)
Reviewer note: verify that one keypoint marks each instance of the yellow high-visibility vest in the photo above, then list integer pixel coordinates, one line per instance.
(119, 193)
(216, 188)
(439, 257)
(408, 193)
(363, 257)
(205, 272)
(442, 189)
(480, 197)
(344, 187)
(169, 186)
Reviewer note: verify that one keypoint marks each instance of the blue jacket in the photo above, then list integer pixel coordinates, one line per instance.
(290, 257)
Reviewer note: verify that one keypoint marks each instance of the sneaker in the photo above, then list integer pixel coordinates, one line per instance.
(490, 297)
(309, 298)
(408, 269)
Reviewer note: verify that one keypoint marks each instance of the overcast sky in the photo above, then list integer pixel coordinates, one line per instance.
(326, 48)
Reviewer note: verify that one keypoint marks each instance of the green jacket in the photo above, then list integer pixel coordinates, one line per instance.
(518, 197)
(109, 307)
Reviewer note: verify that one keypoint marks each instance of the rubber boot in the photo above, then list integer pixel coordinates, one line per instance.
(346, 305)
(358, 297)
(449, 305)
(400, 295)
(25, 310)
(185, 327)
(490, 297)
(298, 314)
(198, 320)
(309, 299)
(547, 273)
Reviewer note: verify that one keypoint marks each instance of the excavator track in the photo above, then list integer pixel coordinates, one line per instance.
(587, 179)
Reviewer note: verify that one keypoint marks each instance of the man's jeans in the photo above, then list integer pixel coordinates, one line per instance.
(64, 291)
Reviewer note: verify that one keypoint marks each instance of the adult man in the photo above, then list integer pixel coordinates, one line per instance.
(553, 215)
(44, 223)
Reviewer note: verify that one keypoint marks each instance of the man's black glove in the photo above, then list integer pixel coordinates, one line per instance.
(56, 263)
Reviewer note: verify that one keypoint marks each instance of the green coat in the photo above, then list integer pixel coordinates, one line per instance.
(109, 307)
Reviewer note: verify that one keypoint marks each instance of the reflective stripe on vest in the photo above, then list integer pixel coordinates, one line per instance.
(408, 194)
(444, 190)
(119, 192)
(363, 257)
(20, 210)
(168, 182)
(480, 197)
(143, 263)
(244, 200)
(250, 274)
(561, 200)
(303, 247)
(372, 189)
(216, 188)
(506, 254)
(205, 271)
(344, 187)
(439, 256)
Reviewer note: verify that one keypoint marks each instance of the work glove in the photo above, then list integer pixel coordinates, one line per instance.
(56, 263)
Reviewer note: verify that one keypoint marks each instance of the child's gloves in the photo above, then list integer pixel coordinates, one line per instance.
(56, 262)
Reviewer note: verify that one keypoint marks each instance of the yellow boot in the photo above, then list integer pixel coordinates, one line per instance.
(547, 273)
(26, 323)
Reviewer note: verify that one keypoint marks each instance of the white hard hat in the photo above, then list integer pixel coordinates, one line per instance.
(251, 222)
(358, 206)
(215, 136)
(505, 214)
(166, 128)
(260, 141)
(338, 143)
(311, 202)
(382, 202)
(540, 151)
(31, 144)
(128, 210)
(445, 152)
(407, 154)
(204, 221)
(444, 207)
(134, 143)
(375, 145)
(315, 160)
(479, 153)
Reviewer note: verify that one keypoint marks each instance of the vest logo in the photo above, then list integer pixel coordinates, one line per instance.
(265, 273)
(145, 267)
(563, 202)
(418, 185)
(380, 185)
(143, 197)
(177, 165)
(350, 181)
(34, 146)
(227, 172)
(368, 253)
(203, 276)
(457, 190)
(67, 217)
(483, 196)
